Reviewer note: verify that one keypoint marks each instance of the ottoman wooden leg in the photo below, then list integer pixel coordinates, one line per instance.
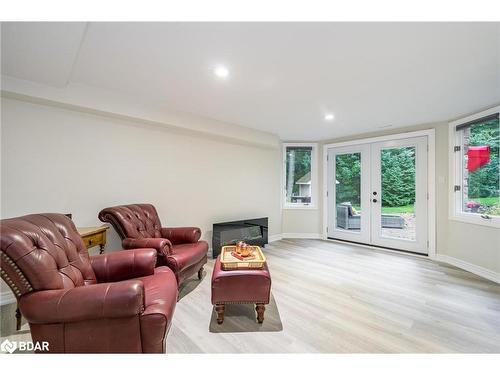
(200, 273)
(260, 308)
(220, 312)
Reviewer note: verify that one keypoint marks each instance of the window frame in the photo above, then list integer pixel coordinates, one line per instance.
(456, 173)
(314, 178)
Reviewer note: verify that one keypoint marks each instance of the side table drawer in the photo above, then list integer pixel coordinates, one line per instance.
(93, 236)
(93, 240)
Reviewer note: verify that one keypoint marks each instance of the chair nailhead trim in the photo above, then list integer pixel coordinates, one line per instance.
(17, 270)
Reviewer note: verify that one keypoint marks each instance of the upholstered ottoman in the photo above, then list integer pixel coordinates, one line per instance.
(241, 286)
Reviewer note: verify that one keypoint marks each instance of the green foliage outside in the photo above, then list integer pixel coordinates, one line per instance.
(302, 163)
(348, 175)
(399, 210)
(392, 210)
(490, 201)
(490, 205)
(398, 176)
(398, 179)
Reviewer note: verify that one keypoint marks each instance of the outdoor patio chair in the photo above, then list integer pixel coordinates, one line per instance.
(348, 219)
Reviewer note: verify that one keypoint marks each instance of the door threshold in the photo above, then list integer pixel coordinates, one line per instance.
(376, 247)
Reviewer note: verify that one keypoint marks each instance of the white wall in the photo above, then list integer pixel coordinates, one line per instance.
(301, 223)
(59, 160)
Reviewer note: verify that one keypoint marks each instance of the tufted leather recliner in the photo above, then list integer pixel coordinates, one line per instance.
(112, 303)
(178, 248)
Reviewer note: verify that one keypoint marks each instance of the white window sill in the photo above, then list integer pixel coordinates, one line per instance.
(494, 222)
(301, 207)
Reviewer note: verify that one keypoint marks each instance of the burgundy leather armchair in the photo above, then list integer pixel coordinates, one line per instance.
(178, 248)
(112, 303)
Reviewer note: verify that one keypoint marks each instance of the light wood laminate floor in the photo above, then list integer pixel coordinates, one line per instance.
(339, 298)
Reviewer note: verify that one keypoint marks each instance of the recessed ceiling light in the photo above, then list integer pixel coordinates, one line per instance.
(329, 117)
(221, 71)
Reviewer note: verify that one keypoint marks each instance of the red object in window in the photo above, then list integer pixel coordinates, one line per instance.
(477, 157)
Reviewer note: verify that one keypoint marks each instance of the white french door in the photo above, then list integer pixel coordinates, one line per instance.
(348, 206)
(377, 194)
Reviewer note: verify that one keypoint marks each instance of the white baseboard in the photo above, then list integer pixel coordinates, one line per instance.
(6, 298)
(312, 236)
(275, 237)
(377, 248)
(477, 270)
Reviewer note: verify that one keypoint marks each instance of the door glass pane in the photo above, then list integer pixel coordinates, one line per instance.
(398, 193)
(348, 191)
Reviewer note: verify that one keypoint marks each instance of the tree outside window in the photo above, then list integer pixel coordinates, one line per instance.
(298, 175)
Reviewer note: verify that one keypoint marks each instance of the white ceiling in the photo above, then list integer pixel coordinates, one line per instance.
(283, 76)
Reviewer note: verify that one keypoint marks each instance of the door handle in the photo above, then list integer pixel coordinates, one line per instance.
(374, 200)
(374, 193)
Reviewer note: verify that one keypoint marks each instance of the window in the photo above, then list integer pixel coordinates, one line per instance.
(299, 185)
(475, 168)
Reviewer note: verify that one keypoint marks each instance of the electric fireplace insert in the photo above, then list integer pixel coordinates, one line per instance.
(251, 231)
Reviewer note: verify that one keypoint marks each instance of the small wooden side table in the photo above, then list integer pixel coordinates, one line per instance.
(91, 236)
(94, 236)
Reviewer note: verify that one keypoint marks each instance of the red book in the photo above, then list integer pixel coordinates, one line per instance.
(236, 255)
(240, 257)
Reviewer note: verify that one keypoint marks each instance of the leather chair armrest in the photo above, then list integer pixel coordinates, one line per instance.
(98, 301)
(162, 245)
(181, 235)
(123, 265)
